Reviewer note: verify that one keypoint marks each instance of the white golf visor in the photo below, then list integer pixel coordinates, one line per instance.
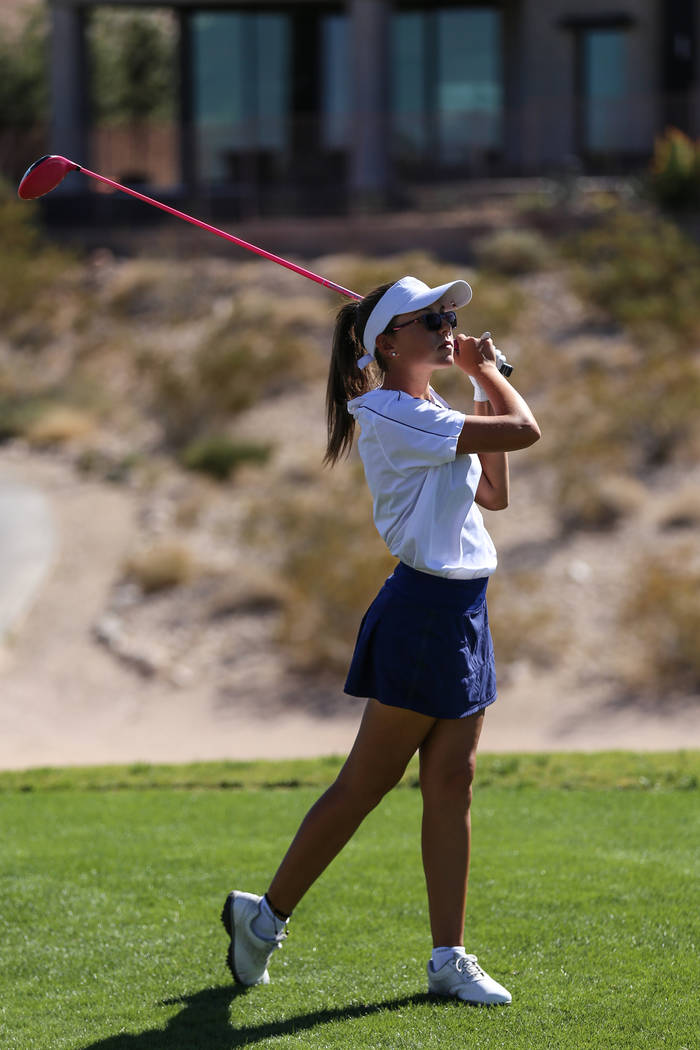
(404, 297)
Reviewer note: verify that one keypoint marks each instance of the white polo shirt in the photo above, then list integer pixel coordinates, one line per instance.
(423, 492)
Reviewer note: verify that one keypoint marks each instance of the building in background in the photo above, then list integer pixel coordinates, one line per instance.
(312, 105)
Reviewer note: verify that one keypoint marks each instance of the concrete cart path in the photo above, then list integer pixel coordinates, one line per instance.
(27, 548)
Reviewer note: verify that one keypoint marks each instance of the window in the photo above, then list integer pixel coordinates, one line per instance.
(335, 101)
(241, 84)
(470, 92)
(614, 102)
(409, 97)
(447, 83)
(606, 113)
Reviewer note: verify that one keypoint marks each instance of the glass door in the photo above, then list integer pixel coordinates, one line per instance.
(606, 102)
(241, 92)
(447, 97)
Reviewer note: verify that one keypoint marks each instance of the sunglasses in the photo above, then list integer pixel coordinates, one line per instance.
(432, 321)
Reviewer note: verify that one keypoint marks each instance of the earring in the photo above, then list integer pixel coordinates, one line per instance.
(393, 353)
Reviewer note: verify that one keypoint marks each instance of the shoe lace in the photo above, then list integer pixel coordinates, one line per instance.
(467, 964)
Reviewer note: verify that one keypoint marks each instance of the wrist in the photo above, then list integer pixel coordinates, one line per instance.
(486, 364)
(486, 370)
(480, 394)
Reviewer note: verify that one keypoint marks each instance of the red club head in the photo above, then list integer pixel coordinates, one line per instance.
(44, 175)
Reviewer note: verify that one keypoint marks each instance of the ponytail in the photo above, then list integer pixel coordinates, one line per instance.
(345, 379)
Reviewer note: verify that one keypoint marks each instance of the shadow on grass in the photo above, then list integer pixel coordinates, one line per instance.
(205, 1024)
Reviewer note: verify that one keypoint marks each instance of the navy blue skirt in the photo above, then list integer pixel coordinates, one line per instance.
(425, 644)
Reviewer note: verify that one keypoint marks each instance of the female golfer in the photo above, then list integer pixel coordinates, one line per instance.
(424, 657)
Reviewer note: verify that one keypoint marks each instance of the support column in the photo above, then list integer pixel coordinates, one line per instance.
(189, 166)
(370, 78)
(69, 84)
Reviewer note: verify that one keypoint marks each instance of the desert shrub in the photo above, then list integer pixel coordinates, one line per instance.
(675, 170)
(41, 420)
(643, 271)
(247, 588)
(536, 203)
(219, 455)
(525, 621)
(661, 619)
(513, 252)
(193, 501)
(58, 425)
(362, 274)
(593, 502)
(133, 65)
(155, 291)
(15, 415)
(494, 305)
(260, 350)
(29, 269)
(164, 565)
(657, 413)
(99, 463)
(332, 562)
(24, 82)
(603, 420)
(682, 509)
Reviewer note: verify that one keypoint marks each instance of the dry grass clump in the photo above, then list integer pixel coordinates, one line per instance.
(16, 414)
(331, 561)
(602, 422)
(193, 502)
(58, 425)
(526, 623)
(661, 619)
(494, 306)
(495, 303)
(162, 566)
(596, 503)
(261, 349)
(513, 252)
(20, 242)
(219, 456)
(362, 274)
(642, 270)
(675, 170)
(42, 422)
(247, 588)
(156, 291)
(682, 509)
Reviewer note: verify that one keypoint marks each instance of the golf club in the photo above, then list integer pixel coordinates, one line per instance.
(48, 171)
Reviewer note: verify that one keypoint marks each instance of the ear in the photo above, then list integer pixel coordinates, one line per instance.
(384, 343)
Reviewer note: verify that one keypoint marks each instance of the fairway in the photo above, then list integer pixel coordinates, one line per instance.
(583, 902)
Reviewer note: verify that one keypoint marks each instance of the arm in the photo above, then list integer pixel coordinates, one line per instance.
(511, 425)
(493, 489)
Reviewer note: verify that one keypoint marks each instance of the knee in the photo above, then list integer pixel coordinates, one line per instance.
(366, 791)
(449, 785)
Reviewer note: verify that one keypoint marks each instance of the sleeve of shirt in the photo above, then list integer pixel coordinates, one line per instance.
(414, 433)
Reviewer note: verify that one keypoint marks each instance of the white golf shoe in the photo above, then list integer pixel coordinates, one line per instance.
(248, 954)
(462, 978)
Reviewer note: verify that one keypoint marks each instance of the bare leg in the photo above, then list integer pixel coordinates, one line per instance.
(447, 764)
(387, 739)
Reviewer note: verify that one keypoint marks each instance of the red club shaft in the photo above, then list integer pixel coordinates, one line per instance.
(222, 233)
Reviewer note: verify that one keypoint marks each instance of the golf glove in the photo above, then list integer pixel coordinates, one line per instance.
(479, 394)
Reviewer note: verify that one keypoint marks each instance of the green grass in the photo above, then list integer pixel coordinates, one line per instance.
(629, 770)
(583, 902)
